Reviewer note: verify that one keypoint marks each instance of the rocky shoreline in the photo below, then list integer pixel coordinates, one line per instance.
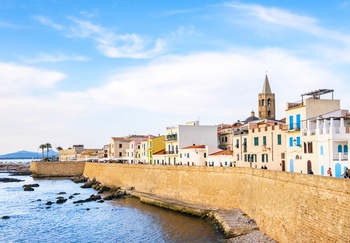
(15, 168)
(235, 225)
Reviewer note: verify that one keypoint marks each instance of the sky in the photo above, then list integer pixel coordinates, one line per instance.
(83, 71)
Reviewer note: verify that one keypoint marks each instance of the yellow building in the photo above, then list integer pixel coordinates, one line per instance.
(155, 144)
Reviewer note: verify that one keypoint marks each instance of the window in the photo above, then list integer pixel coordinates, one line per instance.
(237, 143)
(180, 156)
(291, 121)
(279, 139)
(263, 102)
(245, 158)
(321, 150)
(256, 141)
(298, 141)
(291, 142)
(205, 155)
(237, 157)
(264, 158)
(225, 139)
(264, 140)
(222, 139)
(298, 121)
(345, 149)
(269, 102)
(120, 154)
(188, 155)
(120, 145)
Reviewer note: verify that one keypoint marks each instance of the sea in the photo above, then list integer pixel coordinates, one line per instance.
(123, 220)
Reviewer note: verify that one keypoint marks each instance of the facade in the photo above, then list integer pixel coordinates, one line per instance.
(154, 145)
(261, 144)
(221, 158)
(226, 133)
(70, 154)
(298, 113)
(181, 136)
(325, 143)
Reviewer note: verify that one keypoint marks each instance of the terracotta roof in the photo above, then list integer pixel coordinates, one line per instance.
(159, 152)
(222, 152)
(194, 146)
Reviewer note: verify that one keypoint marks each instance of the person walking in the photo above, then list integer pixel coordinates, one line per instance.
(329, 172)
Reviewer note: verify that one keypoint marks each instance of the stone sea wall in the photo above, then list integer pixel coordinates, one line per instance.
(289, 207)
(56, 169)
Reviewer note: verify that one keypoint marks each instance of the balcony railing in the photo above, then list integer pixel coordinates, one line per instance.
(291, 127)
(171, 152)
(340, 156)
(171, 137)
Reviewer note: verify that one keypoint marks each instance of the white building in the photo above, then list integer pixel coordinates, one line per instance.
(325, 143)
(221, 158)
(182, 136)
(296, 114)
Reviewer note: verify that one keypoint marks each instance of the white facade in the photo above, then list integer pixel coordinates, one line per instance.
(186, 135)
(223, 158)
(326, 142)
(296, 114)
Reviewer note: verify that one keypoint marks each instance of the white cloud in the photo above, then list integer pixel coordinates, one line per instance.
(212, 83)
(57, 57)
(114, 45)
(48, 22)
(15, 78)
(288, 19)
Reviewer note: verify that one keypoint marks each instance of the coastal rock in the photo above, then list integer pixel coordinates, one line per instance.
(5, 217)
(10, 180)
(61, 200)
(28, 188)
(48, 203)
(116, 195)
(80, 179)
(31, 185)
(89, 184)
(91, 198)
(61, 193)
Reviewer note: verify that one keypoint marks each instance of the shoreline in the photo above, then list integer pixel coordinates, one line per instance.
(234, 224)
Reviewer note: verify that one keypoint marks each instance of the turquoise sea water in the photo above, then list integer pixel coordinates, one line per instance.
(123, 220)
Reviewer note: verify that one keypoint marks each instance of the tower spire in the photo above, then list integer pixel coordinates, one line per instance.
(266, 87)
(267, 108)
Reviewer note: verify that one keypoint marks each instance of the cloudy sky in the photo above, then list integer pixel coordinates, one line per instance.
(82, 71)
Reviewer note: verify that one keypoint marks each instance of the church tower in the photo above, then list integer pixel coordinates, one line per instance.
(267, 102)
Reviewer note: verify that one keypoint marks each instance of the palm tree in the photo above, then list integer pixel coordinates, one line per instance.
(48, 146)
(42, 147)
(59, 148)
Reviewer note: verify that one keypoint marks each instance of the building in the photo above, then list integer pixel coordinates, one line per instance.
(70, 154)
(221, 158)
(155, 144)
(181, 136)
(298, 113)
(226, 133)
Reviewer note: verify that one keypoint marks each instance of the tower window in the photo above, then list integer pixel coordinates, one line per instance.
(269, 102)
(262, 102)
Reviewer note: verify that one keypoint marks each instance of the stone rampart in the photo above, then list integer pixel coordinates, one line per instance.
(289, 207)
(52, 169)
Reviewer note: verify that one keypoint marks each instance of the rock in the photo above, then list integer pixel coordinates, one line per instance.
(101, 201)
(49, 203)
(75, 194)
(91, 198)
(61, 193)
(31, 185)
(28, 188)
(70, 197)
(5, 217)
(10, 180)
(80, 179)
(61, 200)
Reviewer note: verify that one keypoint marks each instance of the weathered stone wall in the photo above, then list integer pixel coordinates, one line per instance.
(289, 207)
(51, 169)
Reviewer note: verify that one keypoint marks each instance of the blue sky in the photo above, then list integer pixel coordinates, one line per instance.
(80, 72)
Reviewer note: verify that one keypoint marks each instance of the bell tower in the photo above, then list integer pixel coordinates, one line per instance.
(266, 105)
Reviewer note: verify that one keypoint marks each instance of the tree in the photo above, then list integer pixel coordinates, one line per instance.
(42, 147)
(48, 146)
(59, 148)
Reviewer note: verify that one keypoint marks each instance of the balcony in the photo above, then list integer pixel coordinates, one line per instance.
(291, 127)
(171, 137)
(171, 152)
(340, 156)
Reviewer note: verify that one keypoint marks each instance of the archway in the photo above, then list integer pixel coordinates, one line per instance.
(309, 166)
